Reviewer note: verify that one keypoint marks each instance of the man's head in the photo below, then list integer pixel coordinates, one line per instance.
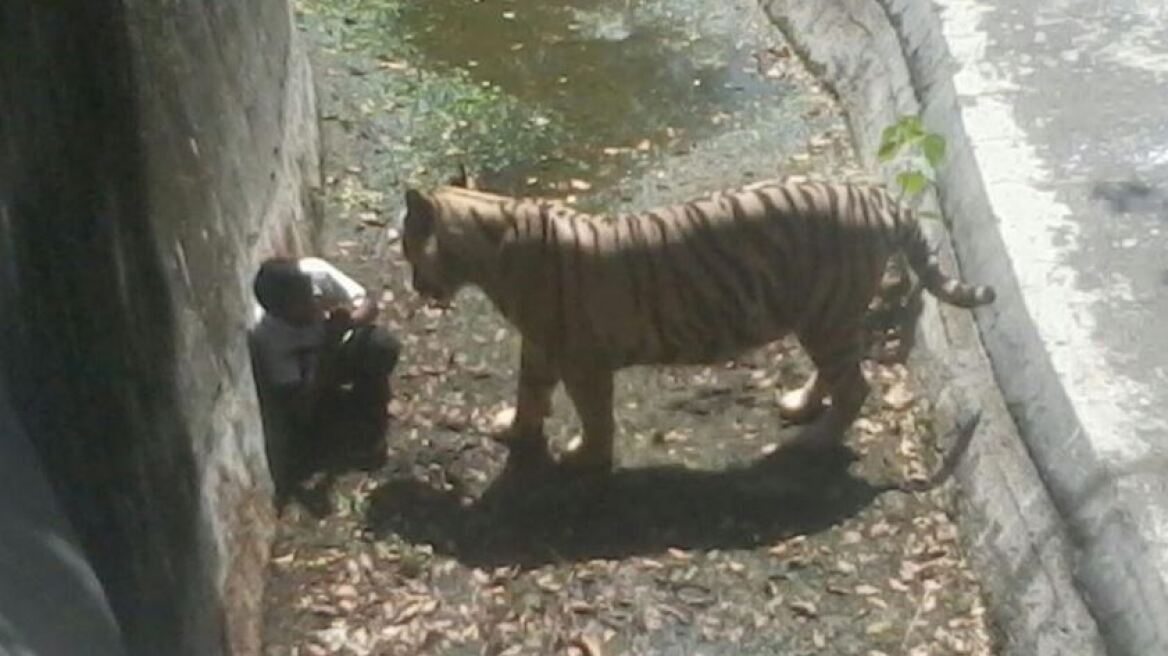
(284, 291)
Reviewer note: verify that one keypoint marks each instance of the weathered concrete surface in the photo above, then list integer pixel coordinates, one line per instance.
(1064, 106)
(51, 601)
(150, 153)
(880, 57)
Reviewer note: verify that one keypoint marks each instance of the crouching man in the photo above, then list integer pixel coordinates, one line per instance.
(316, 354)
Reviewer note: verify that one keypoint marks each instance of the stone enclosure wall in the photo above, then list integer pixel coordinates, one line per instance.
(150, 153)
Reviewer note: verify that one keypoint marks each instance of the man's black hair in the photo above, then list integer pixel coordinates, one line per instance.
(279, 282)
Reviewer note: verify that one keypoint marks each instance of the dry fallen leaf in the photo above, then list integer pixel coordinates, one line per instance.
(876, 628)
(393, 65)
(503, 418)
(585, 645)
(804, 609)
(898, 397)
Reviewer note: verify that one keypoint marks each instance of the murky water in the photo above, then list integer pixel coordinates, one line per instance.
(616, 71)
(621, 84)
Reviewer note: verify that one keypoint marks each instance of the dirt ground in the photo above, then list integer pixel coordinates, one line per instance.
(710, 538)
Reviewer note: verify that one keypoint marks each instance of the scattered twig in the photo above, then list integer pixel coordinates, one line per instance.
(588, 645)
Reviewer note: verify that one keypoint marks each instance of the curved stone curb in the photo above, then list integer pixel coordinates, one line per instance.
(1013, 530)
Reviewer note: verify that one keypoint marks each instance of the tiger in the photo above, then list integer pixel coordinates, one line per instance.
(698, 282)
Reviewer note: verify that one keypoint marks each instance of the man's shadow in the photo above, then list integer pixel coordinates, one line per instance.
(534, 513)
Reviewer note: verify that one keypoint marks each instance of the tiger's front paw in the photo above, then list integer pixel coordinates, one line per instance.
(513, 434)
(799, 407)
(587, 461)
(529, 452)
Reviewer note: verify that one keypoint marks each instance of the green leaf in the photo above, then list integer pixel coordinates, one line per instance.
(912, 126)
(913, 182)
(909, 133)
(933, 146)
(888, 150)
(914, 141)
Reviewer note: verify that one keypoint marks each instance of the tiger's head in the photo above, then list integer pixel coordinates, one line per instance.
(434, 242)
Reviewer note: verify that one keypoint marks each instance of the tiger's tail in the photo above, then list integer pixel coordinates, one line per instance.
(927, 266)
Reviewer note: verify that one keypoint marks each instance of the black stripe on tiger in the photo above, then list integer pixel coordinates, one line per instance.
(645, 253)
(751, 289)
(693, 323)
(823, 225)
(757, 241)
(724, 276)
(791, 231)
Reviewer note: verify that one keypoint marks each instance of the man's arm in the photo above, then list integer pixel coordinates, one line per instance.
(367, 313)
(344, 297)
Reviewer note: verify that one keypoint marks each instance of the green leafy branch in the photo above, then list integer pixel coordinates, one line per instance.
(919, 152)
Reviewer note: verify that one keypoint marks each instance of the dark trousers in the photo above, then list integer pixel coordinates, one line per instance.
(363, 365)
(350, 419)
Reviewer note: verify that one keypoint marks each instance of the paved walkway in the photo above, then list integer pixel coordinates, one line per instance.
(1066, 105)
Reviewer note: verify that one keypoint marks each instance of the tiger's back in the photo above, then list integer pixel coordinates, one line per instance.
(700, 281)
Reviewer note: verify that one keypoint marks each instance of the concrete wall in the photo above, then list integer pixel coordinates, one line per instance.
(150, 153)
(873, 54)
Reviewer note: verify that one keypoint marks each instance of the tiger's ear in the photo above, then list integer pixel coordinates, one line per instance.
(463, 179)
(419, 213)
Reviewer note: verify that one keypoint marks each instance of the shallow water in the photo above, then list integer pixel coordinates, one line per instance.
(617, 85)
(615, 71)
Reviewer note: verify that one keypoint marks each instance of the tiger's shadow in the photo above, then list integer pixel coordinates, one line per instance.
(534, 514)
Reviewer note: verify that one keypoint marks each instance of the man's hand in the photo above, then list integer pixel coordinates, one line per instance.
(336, 323)
(367, 313)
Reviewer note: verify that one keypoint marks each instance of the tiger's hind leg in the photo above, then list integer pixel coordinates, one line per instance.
(537, 381)
(801, 405)
(893, 313)
(837, 358)
(590, 387)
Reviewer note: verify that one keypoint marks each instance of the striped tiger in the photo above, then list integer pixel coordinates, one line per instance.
(694, 283)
